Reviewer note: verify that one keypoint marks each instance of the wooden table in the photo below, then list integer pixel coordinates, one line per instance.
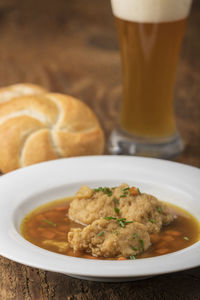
(71, 47)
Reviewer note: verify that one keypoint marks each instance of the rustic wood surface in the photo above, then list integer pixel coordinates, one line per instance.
(71, 47)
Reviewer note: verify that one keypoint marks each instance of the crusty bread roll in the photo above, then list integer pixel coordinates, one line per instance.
(20, 89)
(44, 127)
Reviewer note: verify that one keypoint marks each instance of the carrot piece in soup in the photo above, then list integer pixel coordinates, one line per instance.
(162, 251)
(61, 208)
(39, 217)
(173, 232)
(48, 234)
(134, 191)
(168, 238)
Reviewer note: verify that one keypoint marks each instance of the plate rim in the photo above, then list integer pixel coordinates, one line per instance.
(125, 265)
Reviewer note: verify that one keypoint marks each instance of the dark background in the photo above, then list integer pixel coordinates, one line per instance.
(71, 47)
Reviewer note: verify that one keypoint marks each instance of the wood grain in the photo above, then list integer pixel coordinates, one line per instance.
(71, 47)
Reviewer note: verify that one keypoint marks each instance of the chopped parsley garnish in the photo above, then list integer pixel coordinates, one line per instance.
(125, 192)
(132, 257)
(122, 219)
(135, 235)
(122, 196)
(105, 190)
(159, 209)
(186, 238)
(49, 222)
(101, 233)
(116, 200)
(122, 222)
(99, 189)
(152, 220)
(116, 210)
(125, 189)
(110, 218)
(115, 232)
(135, 248)
(142, 244)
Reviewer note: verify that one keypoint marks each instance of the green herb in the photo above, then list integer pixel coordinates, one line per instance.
(142, 244)
(122, 196)
(115, 232)
(125, 192)
(135, 248)
(152, 220)
(122, 222)
(105, 190)
(159, 209)
(116, 200)
(139, 191)
(99, 189)
(135, 235)
(116, 210)
(101, 233)
(132, 257)
(110, 218)
(186, 238)
(125, 189)
(49, 222)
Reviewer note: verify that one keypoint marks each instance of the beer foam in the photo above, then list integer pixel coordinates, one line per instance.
(151, 11)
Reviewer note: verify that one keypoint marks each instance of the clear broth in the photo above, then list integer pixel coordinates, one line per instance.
(50, 222)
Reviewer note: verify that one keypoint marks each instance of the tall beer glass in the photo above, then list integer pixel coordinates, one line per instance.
(150, 34)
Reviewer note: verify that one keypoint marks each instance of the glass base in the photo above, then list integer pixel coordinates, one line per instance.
(122, 143)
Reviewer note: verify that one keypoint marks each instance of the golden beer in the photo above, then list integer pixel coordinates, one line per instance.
(149, 55)
(150, 35)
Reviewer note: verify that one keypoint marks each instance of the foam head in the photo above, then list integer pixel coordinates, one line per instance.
(151, 11)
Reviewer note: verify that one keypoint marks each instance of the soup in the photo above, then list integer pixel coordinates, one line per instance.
(48, 227)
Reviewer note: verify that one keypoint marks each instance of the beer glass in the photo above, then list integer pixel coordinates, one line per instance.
(150, 34)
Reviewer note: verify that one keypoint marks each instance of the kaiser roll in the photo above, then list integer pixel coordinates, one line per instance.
(20, 89)
(43, 127)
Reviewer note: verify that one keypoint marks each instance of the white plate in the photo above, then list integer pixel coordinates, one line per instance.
(27, 188)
